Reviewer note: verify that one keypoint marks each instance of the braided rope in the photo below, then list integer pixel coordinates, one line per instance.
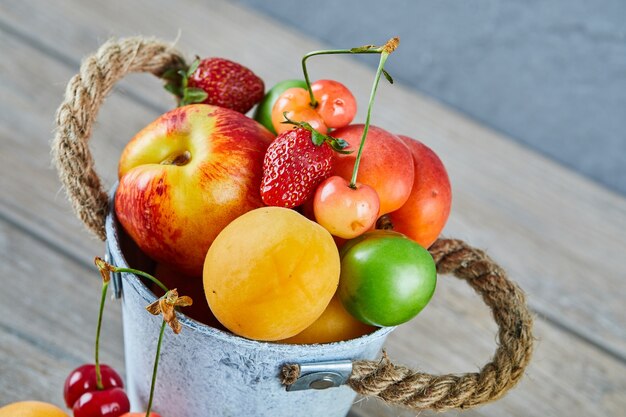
(400, 385)
(84, 95)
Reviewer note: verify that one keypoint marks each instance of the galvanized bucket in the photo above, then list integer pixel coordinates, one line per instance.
(205, 371)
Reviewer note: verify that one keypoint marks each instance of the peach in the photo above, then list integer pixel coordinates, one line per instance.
(386, 164)
(334, 325)
(426, 211)
(270, 274)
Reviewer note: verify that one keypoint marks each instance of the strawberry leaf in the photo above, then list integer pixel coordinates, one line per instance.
(173, 88)
(174, 77)
(193, 67)
(194, 95)
(339, 145)
(317, 138)
(170, 74)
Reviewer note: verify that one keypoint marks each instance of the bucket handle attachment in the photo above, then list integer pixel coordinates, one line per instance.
(322, 375)
(395, 384)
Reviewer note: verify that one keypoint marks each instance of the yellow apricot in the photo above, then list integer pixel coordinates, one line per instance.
(31, 409)
(270, 274)
(334, 325)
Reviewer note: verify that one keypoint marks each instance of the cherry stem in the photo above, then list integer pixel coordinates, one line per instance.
(370, 49)
(163, 325)
(379, 71)
(143, 274)
(158, 352)
(105, 287)
(156, 367)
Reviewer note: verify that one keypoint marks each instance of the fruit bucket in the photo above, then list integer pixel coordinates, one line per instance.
(210, 372)
(206, 371)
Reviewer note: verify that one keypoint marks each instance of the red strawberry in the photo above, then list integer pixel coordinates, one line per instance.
(217, 81)
(295, 163)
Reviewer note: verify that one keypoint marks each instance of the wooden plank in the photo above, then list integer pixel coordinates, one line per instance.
(556, 232)
(31, 190)
(48, 315)
(454, 334)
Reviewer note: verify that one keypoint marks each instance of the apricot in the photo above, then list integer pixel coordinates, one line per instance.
(334, 325)
(31, 409)
(270, 274)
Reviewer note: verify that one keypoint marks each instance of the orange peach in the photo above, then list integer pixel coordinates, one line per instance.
(386, 164)
(334, 325)
(425, 213)
(270, 273)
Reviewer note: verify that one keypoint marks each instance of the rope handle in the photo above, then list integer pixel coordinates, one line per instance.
(75, 117)
(400, 385)
(393, 383)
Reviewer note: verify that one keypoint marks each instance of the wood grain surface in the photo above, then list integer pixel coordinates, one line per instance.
(559, 235)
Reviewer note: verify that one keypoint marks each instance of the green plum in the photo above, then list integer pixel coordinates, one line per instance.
(386, 278)
(263, 112)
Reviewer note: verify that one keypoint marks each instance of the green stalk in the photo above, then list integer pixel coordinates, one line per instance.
(362, 50)
(384, 52)
(99, 385)
(379, 71)
(156, 367)
(158, 352)
(143, 274)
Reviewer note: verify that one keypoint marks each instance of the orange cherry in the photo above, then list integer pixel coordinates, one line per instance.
(344, 211)
(296, 103)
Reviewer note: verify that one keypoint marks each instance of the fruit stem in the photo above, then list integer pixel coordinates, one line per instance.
(368, 49)
(156, 367)
(105, 287)
(387, 49)
(141, 273)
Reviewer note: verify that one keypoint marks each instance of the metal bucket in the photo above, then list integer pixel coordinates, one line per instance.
(209, 372)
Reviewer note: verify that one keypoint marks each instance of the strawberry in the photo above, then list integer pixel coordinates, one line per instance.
(295, 163)
(216, 81)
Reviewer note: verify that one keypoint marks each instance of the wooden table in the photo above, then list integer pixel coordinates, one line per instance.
(559, 235)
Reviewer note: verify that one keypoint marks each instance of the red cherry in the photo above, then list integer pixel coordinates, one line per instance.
(336, 104)
(111, 402)
(83, 379)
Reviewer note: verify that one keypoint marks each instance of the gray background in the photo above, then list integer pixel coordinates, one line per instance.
(549, 74)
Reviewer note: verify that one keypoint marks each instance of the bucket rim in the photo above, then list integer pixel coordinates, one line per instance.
(113, 247)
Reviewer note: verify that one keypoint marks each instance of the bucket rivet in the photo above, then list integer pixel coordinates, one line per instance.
(323, 383)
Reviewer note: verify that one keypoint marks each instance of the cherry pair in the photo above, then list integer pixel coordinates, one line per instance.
(96, 390)
(87, 399)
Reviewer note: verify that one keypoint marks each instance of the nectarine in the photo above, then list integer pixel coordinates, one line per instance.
(426, 211)
(185, 176)
(386, 164)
